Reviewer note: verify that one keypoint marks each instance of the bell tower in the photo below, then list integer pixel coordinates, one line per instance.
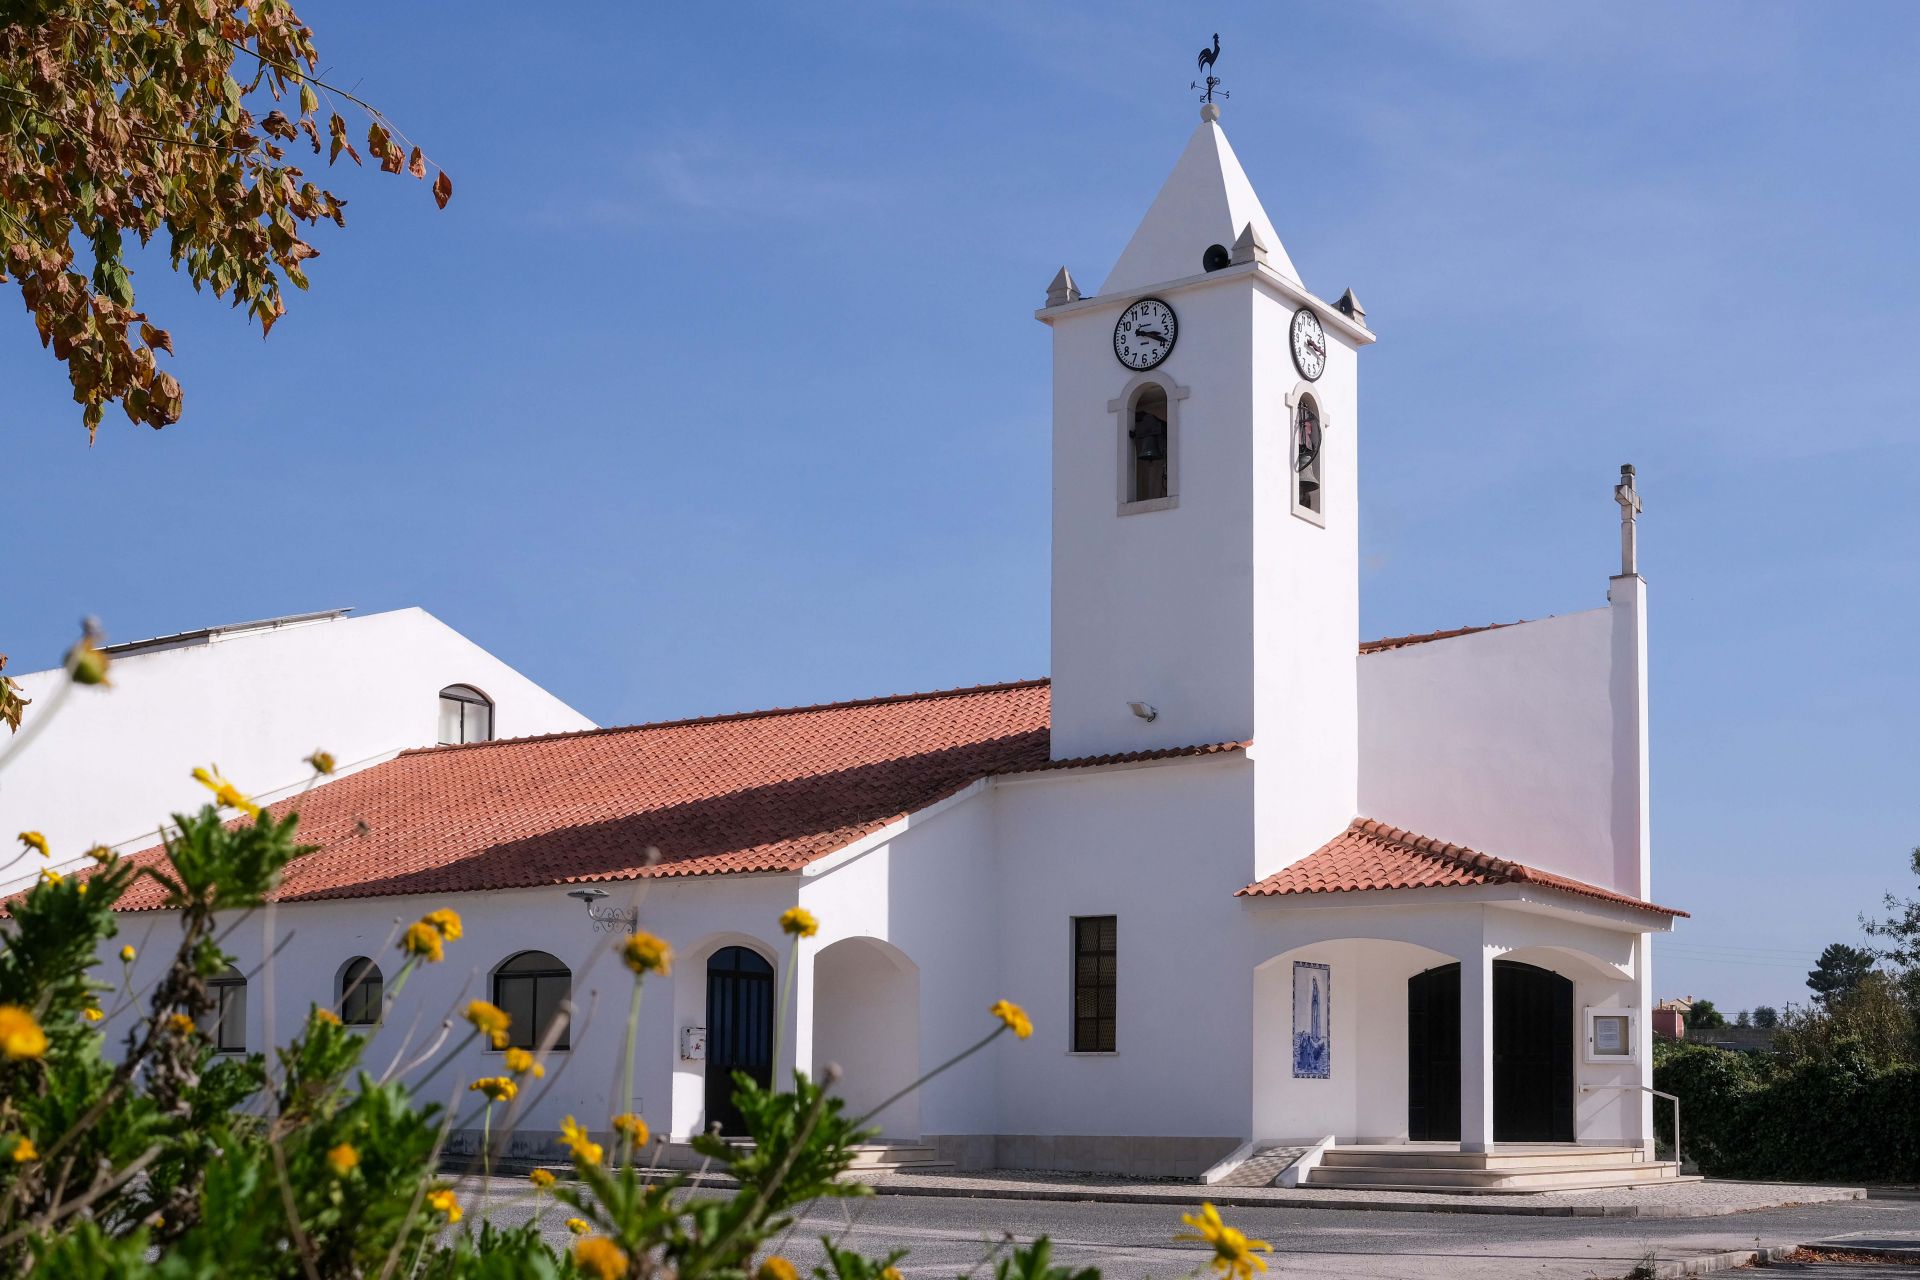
(1205, 510)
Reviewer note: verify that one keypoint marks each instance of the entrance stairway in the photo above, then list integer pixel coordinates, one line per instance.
(1508, 1169)
(888, 1157)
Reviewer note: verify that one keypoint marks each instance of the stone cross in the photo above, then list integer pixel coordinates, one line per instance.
(1628, 497)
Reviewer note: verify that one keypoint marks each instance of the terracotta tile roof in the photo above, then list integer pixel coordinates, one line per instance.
(1401, 642)
(1371, 855)
(763, 791)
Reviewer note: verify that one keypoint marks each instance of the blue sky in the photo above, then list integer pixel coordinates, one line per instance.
(716, 386)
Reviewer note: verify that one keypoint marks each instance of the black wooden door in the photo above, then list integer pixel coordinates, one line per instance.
(1433, 1055)
(1532, 1054)
(739, 1030)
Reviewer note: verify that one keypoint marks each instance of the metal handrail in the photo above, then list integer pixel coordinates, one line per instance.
(1678, 1159)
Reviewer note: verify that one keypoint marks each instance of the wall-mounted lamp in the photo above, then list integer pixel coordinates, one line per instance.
(1146, 711)
(588, 896)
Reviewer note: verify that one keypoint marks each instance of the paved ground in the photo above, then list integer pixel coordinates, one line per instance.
(948, 1236)
(1690, 1199)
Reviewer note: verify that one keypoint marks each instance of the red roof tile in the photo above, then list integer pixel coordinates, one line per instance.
(758, 792)
(1372, 855)
(1425, 637)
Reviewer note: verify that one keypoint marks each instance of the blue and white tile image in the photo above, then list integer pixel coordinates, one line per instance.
(1312, 1020)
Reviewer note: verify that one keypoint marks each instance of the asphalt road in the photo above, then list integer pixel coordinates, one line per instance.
(1129, 1241)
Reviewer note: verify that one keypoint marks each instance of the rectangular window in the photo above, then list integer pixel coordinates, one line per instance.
(1095, 997)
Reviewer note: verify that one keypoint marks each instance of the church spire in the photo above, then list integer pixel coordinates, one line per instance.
(1207, 200)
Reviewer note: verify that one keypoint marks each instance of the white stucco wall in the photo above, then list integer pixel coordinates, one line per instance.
(255, 704)
(1503, 741)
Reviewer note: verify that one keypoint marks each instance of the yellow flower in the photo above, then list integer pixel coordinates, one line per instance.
(423, 940)
(20, 1035)
(541, 1178)
(35, 841)
(579, 1226)
(600, 1258)
(1014, 1016)
(88, 662)
(1232, 1251)
(497, 1088)
(322, 761)
(520, 1062)
(93, 1013)
(489, 1020)
(890, 1273)
(49, 876)
(633, 1126)
(127, 954)
(799, 922)
(23, 1150)
(343, 1159)
(326, 1015)
(443, 1202)
(776, 1268)
(101, 854)
(575, 1139)
(225, 792)
(644, 953)
(446, 921)
(181, 1024)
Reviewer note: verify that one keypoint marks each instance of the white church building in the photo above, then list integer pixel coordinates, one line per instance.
(1259, 884)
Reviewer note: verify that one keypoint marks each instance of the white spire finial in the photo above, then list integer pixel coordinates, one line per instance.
(1210, 112)
(1063, 289)
(1249, 247)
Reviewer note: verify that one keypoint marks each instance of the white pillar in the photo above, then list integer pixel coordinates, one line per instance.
(1643, 1038)
(797, 1035)
(1476, 1050)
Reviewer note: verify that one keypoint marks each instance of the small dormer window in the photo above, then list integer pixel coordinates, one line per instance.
(1307, 491)
(466, 715)
(1147, 446)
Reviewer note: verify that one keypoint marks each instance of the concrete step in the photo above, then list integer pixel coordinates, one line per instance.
(896, 1155)
(1510, 1178)
(1421, 1188)
(1447, 1156)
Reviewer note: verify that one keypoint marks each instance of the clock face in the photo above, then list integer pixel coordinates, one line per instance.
(1309, 344)
(1144, 334)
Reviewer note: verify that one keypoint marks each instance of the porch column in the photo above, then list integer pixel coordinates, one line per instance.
(1476, 1050)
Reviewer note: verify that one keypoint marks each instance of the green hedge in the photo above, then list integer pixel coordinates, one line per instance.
(1747, 1116)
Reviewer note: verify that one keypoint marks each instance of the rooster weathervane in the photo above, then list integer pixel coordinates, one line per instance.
(1209, 56)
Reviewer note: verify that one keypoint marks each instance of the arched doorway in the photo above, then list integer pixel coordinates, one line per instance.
(1532, 1054)
(866, 1020)
(739, 1030)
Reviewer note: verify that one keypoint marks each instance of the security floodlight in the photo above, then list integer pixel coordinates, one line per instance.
(1144, 710)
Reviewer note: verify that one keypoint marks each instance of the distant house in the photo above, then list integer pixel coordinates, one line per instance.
(1670, 1018)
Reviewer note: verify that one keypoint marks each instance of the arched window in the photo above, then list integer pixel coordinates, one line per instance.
(530, 988)
(466, 715)
(362, 990)
(1147, 445)
(226, 1023)
(1306, 459)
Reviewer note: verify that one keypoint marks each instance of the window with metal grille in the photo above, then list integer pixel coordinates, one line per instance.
(362, 988)
(226, 1023)
(1095, 998)
(530, 988)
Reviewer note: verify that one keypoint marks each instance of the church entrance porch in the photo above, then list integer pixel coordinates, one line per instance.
(1473, 1032)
